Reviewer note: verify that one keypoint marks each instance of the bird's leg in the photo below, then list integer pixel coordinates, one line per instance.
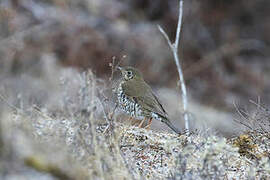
(141, 123)
(130, 119)
(149, 124)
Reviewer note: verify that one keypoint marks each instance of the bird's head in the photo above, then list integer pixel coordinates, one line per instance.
(130, 73)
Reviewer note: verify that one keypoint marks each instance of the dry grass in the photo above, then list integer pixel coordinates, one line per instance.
(63, 137)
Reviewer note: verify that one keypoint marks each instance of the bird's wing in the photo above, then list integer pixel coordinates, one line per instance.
(143, 94)
(159, 104)
(149, 101)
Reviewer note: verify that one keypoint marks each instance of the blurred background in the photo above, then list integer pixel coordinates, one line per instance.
(224, 50)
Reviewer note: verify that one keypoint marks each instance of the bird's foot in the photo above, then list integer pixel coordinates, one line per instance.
(141, 123)
(149, 124)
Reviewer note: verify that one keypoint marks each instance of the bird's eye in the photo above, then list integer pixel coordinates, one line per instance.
(129, 75)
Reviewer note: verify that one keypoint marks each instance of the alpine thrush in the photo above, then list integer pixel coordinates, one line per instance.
(136, 98)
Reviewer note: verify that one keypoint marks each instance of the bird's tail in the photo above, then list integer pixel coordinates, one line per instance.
(170, 125)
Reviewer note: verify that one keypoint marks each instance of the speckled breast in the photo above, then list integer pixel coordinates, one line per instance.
(128, 105)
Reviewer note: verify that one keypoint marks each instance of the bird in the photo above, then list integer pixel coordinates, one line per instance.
(137, 99)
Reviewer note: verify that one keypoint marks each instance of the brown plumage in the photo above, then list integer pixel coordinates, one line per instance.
(136, 98)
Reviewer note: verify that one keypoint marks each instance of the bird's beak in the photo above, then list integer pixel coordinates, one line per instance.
(119, 68)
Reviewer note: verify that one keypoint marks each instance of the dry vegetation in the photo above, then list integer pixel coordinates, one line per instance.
(58, 122)
(66, 140)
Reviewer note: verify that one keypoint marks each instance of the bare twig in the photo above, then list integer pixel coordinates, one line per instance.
(240, 122)
(114, 66)
(174, 49)
(39, 111)
(240, 112)
(259, 105)
(13, 107)
(109, 116)
(252, 122)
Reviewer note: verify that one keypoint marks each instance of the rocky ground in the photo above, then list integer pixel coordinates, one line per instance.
(81, 138)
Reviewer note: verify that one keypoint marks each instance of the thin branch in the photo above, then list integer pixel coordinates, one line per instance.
(259, 105)
(174, 49)
(166, 37)
(35, 108)
(103, 108)
(242, 123)
(109, 116)
(112, 65)
(13, 107)
(106, 116)
(179, 24)
(239, 112)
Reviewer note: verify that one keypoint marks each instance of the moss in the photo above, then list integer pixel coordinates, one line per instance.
(41, 165)
(246, 146)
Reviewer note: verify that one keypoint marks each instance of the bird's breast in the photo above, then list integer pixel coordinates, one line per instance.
(127, 104)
